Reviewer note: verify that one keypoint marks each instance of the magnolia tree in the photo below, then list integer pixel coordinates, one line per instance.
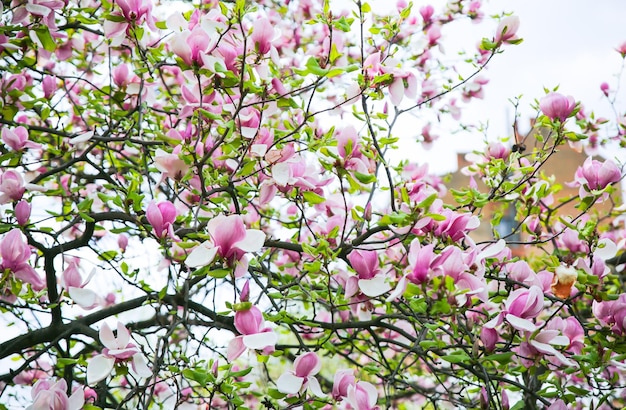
(204, 208)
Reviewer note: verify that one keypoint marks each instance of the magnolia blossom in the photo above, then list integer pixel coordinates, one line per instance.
(594, 176)
(230, 240)
(11, 186)
(557, 106)
(171, 164)
(15, 254)
(22, 212)
(362, 396)
(254, 334)
(73, 282)
(117, 349)
(48, 395)
(17, 139)
(162, 216)
(305, 367)
(522, 305)
(365, 263)
(507, 30)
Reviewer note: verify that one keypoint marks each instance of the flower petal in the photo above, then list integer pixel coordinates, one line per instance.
(289, 383)
(253, 241)
(85, 298)
(314, 387)
(140, 366)
(521, 324)
(99, 368)
(374, 287)
(260, 341)
(202, 255)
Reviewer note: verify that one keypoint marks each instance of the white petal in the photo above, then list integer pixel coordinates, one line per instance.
(492, 249)
(258, 149)
(314, 387)
(202, 255)
(38, 9)
(281, 173)
(253, 241)
(99, 368)
(140, 366)
(289, 383)
(248, 132)
(560, 341)
(81, 138)
(260, 341)
(85, 298)
(123, 336)
(77, 399)
(374, 287)
(608, 249)
(521, 324)
(107, 338)
(543, 347)
(398, 291)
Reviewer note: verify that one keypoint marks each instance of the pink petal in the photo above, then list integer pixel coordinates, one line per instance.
(235, 348)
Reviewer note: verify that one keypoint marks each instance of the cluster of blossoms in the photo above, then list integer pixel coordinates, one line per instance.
(224, 173)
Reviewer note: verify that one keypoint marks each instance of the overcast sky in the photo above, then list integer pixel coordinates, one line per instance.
(569, 43)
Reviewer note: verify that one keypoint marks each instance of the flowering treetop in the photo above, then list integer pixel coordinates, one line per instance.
(202, 210)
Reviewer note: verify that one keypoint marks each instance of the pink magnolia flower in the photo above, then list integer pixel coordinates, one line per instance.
(262, 35)
(305, 367)
(362, 396)
(134, 13)
(22, 212)
(507, 30)
(343, 379)
(117, 349)
(254, 334)
(162, 216)
(73, 282)
(604, 87)
(53, 396)
(17, 139)
(192, 46)
(230, 240)
(368, 280)
(171, 164)
(622, 49)
(557, 106)
(15, 254)
(594, 176)
(427, 13)
(49, 86)
(522, 305)
(11, 186)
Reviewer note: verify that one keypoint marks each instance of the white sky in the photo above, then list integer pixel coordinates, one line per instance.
(569, 43)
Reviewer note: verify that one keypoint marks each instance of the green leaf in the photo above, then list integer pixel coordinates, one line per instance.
(313, 198)
(314, 67)
(456, 358)
(43, 34)
(501, 358)
(365, 178)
